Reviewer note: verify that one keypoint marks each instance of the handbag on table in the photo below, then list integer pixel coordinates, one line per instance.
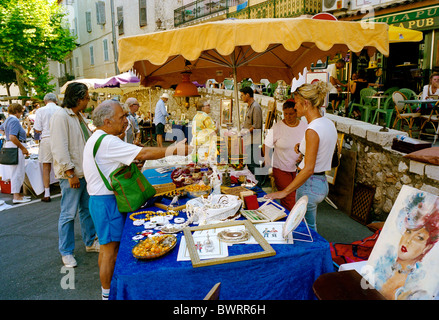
(131, 188)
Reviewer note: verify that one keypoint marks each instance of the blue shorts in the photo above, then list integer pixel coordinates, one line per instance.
(108, 220)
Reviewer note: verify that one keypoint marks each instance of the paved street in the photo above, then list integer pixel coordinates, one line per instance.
(30, 263)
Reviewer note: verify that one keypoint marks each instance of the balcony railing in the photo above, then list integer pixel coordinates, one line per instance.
(201, 8)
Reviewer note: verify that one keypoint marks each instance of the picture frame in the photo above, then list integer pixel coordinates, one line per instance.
(218, 249)
(267, 250)
(271, 115)
(226, 112)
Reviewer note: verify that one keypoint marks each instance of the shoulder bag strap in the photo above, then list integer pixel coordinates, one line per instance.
(95, 150)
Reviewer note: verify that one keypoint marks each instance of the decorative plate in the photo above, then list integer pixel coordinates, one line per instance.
(154, 247)
(233, 236)
(295, 217)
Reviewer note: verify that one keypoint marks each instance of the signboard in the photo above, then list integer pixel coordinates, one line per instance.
(419, 19)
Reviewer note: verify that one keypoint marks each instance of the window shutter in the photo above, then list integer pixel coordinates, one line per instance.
(120, 20)
(142, 13)
(88, 21)
(100, 12)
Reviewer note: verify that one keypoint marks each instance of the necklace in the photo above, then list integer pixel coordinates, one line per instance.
(397, 267)
(293, 125)
(149, 214)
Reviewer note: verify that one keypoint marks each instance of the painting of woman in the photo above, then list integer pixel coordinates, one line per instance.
(406, 256)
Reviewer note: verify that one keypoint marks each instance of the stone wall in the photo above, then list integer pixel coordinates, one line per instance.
(381, 167)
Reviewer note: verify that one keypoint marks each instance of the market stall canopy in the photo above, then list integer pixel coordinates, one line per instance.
(126, 79)
(399, 34)
(88, 82)
(274, 49)
(122, 80)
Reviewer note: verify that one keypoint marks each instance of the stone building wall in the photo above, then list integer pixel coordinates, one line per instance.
(379, 166)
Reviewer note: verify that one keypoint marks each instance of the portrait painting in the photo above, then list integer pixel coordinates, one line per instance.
(226, 112)
(404, 262)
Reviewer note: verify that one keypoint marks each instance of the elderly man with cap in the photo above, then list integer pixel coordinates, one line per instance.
(160, 118)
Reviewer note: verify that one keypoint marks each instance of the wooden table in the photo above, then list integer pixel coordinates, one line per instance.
(288, 275)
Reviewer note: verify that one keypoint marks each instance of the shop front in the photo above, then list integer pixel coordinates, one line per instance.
(409, 64)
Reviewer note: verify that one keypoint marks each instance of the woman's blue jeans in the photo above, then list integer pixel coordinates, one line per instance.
(72, 202)
(316, 188)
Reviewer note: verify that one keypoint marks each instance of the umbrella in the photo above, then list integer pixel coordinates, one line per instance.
(399, 34)
(275, 49)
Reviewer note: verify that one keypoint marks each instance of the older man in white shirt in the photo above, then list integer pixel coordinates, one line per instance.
(41, 126)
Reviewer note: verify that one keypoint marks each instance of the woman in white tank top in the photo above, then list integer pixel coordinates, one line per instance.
(317, 147)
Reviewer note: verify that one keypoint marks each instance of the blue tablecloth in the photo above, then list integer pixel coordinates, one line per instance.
(287, 275)
(179, 132)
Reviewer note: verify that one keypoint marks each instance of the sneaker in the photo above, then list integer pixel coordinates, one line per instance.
(69, 261)
(24, 200)
(94, 247)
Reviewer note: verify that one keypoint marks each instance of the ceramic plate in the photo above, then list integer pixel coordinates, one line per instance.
(296, 215)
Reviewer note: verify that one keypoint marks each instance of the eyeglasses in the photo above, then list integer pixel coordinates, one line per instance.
(207, 105)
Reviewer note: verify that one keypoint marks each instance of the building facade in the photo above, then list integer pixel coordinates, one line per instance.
(99, 24)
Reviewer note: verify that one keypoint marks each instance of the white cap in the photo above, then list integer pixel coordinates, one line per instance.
(165, 95)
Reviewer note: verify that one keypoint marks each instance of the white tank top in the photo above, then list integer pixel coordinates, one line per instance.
(327, 133)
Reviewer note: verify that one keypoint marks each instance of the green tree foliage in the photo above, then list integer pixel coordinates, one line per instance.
(32, 32)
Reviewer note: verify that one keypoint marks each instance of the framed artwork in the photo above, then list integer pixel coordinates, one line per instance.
(271, 115)
(267, 250)
(207, 247)
(226, 112)
(404, 261)
(271, 232)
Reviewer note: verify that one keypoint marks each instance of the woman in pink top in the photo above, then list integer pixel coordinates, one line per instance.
(283, 136)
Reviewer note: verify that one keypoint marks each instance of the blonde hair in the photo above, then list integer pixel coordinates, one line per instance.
(314, 93)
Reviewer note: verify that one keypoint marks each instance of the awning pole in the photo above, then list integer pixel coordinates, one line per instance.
(237, 97)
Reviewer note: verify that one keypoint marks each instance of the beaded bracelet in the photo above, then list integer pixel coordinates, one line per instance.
(149, 214)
